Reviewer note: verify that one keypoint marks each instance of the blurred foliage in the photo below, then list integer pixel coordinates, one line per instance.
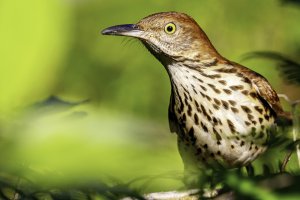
(290, 69)
(84, 113)
(34, 38)
(297, 2)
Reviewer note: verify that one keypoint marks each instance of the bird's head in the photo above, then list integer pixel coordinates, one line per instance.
(169, 35)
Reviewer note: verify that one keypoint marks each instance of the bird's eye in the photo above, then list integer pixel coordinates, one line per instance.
(170, 28)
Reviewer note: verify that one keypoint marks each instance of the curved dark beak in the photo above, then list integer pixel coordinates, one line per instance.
(123, 30)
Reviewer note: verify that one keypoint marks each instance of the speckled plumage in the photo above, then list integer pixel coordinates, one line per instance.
(222, 112)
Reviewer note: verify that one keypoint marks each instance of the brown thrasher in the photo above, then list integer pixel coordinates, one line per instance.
(222, 112)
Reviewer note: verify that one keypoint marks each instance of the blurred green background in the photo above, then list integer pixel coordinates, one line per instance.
(110, 122)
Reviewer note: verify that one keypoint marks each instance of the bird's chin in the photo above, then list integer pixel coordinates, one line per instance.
(151, 47)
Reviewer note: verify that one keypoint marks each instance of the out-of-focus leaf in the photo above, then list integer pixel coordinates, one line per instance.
(295, 2)
(34, 39)
(289, 68)
(56, 104)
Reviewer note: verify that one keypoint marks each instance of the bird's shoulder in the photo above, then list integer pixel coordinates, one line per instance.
(262, 87)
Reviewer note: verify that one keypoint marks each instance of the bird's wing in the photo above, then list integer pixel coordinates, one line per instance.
(265, 91)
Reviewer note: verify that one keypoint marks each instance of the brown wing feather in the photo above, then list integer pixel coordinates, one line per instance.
(266, 92)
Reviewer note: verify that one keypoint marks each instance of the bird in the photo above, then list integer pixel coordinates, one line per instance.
(222, 112)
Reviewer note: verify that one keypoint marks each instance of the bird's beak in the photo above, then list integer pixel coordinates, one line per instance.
(131, 30)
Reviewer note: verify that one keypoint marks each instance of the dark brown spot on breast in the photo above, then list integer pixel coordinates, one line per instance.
(185, 95)
(213, 87)
(235, 110)
(205, 146)
(253, 95)
(191, 134)
(195, 91)
(232, 146)
(225, 104)
(220, 122)
(180, 109)
(189, 111)
(250, 117)
(204, 127)
(223, 82)
(186, 101)
(199, 110)
(246, 109)
(202, 94)
(226, 70)
(196, 103)
(242, 143)
(215, 120)
(217, 90)
(218, 136)
(267, 117)
(245, 92)
(231, 126)
(208, 98)
(205, 113)
(236, 87)
(227, 91)
(258, 109)
(190, 97)
(260, 120)
(216, 107)
(212, 76)
(219, 152)
(183, 117)
(246, 80)
(233, 103)
(197, 79)
(217, 101)
(208, 117)
(203, 88)
(196, 119)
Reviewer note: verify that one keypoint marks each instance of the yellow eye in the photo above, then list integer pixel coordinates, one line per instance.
(170, 28)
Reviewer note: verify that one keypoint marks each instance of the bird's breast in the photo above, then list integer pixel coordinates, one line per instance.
(219, 113)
